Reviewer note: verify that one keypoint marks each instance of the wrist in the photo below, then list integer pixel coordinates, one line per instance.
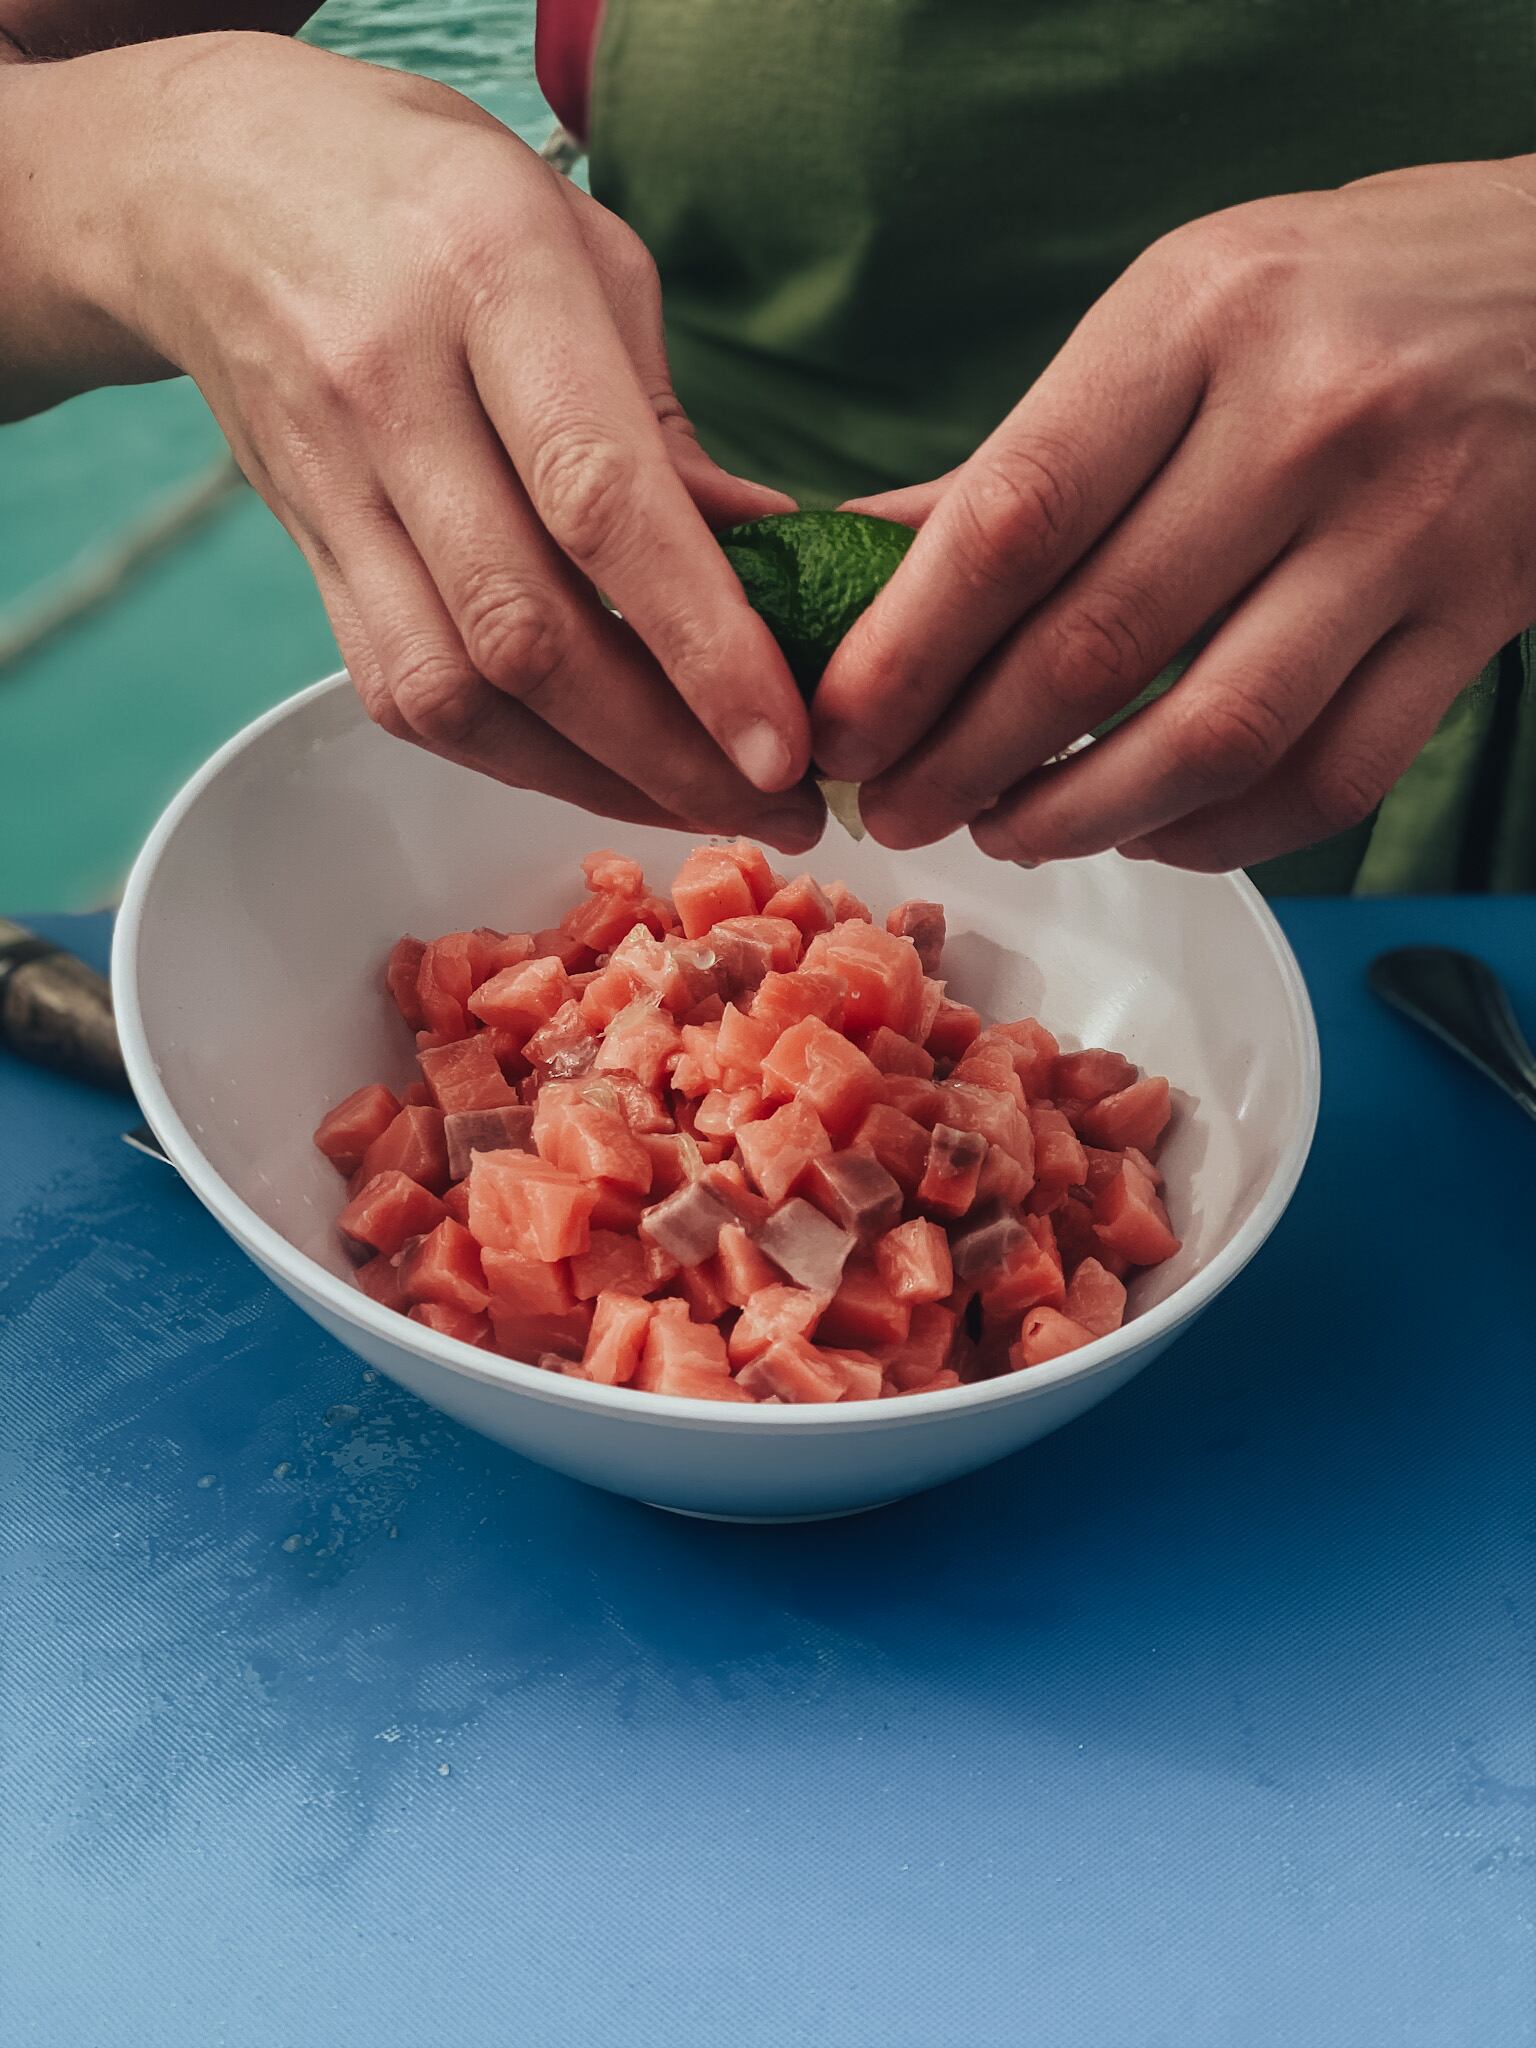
(65, 323)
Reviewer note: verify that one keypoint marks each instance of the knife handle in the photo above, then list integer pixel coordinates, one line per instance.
(56, 1010)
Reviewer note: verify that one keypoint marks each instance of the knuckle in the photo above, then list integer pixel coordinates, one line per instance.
(1341, 791)
(1232, 739)
(1016, 507)
(956, 790)
(583, 483)
(1102, 643)
(381, 707)
(436, 698)
(512, 637)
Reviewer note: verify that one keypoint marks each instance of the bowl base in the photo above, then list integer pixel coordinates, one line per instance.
(826, 1515)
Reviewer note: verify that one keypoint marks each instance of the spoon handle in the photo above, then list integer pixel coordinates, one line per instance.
(1463, 1002)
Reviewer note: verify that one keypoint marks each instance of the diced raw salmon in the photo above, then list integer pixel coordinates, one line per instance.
(786, 999)
(955, 1027)
(1084, 1077)
(531, 1287)
(518, 1203)
(601, 920)
(522, 999)
(985, 1242)
(379, 1278)
(883, 973)
(758, 875)
(775, 943)
(1137, 1115)
(1000, 1120)
(846, 906)
(616, 1342)
(818, 1066)
(914, 1262)
(641, 1040)
(927, 1348)
(923, 924)
(939, 1384)
(855, 1190)
(466, 1075)
(893, 1054)
(412, 1143)
(444, 1266)
(897, 1141)
(864, 1310)
(596, 1144)
(468, 1131)
(388, 1210)
(1030, 1274)
(563, 1047)
(449, 1321)
(401, 975)
(1060, 1161)
(701, 1287)
(989, 1064)
(795, 1371)
(1129, 1218)
(710, 886)
(723, 1111)
(740, 1045)
(805, 1245)
(613, 874)
(805, 903)
(741, 1268)
(771, 1314)
(1095, 1298)
(677, 1349)
(777, 1149)
(688, 1223)
(1046, 1334)
(346, 1132)
(614, 1262)
(948, 1185)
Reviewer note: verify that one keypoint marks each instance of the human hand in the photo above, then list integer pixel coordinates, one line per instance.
(443, 370)
(1308, 423)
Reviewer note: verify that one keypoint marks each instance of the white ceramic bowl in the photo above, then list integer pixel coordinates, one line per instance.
(246, 975)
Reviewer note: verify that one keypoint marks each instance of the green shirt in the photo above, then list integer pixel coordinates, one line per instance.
(877, 220)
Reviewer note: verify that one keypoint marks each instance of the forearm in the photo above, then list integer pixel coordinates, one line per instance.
(62, 329)
(74, 74)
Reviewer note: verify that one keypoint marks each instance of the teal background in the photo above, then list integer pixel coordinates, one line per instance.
(101, 726)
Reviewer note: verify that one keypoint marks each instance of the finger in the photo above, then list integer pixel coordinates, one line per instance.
(1242, 704)
(910, 506)
(633, 293)
(1336, 777)
(584, 439)
(530, 625)
(1200, 533)
(415, 680)
(1021, 512)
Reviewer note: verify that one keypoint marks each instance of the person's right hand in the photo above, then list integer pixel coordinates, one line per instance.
(443, 370)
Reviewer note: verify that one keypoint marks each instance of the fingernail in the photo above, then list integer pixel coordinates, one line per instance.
(1020, 862)
(762, 754)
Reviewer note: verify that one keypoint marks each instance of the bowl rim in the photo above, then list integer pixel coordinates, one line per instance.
(333, 1294)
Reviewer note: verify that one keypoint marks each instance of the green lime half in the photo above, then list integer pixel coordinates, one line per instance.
(810, 574)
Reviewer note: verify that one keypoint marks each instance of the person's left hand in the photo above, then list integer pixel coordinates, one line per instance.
(1308, 424)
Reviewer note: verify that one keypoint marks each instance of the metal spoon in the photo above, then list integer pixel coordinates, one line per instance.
(1462, 1001)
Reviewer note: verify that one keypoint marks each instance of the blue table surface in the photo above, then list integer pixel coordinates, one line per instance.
(1207, 1722)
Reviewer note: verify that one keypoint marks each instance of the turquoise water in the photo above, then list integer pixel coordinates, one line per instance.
(100, 726)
